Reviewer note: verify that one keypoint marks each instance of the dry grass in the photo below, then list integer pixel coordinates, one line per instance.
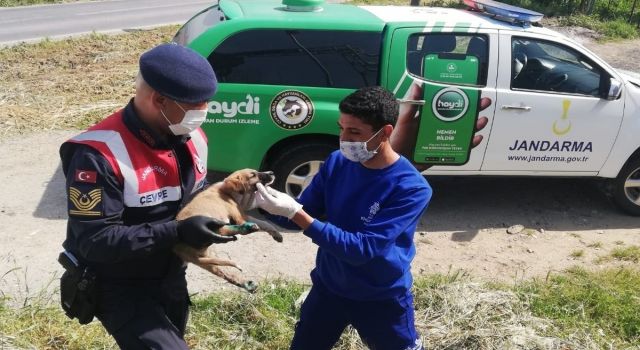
(467, 315)
(577, 310)
(71, 83)
(11, 3)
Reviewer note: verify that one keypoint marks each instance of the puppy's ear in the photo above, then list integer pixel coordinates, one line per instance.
(234, 184)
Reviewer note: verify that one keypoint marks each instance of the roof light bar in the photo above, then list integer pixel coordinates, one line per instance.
(503, 11)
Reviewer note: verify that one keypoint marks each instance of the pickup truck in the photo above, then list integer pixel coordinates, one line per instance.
(556, 108)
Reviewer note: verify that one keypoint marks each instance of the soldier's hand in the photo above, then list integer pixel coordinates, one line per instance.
(201, 232)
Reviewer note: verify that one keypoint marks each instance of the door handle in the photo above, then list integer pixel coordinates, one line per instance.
(521, 108)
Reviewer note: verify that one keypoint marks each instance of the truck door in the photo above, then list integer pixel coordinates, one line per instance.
(410, 46)
(550, 116)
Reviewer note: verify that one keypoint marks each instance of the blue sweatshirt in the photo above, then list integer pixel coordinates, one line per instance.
(366, 243)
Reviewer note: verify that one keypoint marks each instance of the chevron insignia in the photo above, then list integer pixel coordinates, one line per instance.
(85, 204)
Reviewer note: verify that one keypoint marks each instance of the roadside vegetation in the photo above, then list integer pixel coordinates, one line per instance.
(613, 19)
(571, 310)
(11, 3)
(70, 83)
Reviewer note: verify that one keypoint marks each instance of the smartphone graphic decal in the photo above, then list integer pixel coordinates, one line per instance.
(449, 115)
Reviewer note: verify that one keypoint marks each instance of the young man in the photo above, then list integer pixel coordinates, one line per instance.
(127, 177)
(370, 200)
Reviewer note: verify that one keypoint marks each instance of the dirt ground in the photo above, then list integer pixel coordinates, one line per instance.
(464, 228)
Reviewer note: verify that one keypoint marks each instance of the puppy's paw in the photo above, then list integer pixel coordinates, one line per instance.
(244, 229)
(250, 286)
(249, 227)
(277, 236)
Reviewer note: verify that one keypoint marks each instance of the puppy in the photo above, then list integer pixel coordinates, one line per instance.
(220, 201)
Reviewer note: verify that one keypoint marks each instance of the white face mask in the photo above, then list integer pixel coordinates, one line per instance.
(192, 120)
(356, 151)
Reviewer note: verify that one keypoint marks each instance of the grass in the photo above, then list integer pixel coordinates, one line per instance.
(611, 30)
(597, 245)
(577, 253)
(629, 254)
(11, 3)
(603, 304)
(572, 310)
(71, 83)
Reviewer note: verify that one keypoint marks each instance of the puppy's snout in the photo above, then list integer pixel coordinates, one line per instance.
(266, 177)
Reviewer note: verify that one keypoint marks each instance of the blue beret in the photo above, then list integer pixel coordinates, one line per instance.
(178, 73)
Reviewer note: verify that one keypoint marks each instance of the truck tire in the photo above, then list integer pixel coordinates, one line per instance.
(626, 187)
(295, 166)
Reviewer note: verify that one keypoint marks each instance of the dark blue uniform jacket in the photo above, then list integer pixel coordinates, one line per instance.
(130, 248)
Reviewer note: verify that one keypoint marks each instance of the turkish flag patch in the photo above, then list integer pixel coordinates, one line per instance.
(86, 176)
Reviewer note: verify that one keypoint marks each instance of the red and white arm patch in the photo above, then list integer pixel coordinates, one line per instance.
(86, 176)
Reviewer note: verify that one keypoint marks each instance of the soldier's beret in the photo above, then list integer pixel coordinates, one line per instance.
(178, 73)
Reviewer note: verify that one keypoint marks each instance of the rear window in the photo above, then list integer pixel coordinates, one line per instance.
(317, 58)
(199, 24)
(420, 45)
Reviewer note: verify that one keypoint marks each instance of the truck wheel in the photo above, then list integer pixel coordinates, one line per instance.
(626, 190)
(294, 167)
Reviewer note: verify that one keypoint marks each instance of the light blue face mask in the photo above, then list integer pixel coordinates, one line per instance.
(356, 151)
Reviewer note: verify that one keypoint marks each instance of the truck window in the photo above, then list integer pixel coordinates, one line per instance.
(317, 58)
(551, 67)
(197, 25)
(420, 45)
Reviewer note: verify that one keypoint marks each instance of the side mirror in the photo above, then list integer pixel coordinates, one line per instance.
(615, 88)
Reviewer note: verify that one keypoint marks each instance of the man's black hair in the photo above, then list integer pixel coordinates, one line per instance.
(373, 105)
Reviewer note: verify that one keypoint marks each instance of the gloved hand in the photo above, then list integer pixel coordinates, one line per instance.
(276, 202)
(200, 232)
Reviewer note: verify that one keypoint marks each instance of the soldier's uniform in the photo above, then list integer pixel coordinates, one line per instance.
(125, 186)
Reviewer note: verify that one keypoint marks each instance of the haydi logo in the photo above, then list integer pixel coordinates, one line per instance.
(450, 104)
(230, 109)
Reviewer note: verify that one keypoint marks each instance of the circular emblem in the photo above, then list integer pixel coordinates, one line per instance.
(451, 67)
(291, 110)
(450, 104)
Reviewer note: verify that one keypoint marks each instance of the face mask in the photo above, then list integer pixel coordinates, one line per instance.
(192, 119)
(357, 151)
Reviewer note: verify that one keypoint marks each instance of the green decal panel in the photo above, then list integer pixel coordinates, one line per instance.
(243, 124)
(449, 114)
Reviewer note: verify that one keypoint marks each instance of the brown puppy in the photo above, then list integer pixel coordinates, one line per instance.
(220, 201)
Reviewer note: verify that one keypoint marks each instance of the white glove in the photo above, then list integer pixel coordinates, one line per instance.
(276, 202)
(247, 200)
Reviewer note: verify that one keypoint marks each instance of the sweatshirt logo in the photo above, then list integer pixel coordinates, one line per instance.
(373, 210)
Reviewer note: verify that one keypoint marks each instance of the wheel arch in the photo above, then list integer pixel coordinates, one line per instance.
(635, 155)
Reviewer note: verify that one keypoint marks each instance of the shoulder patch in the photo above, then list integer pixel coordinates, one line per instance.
(86, 176)
(85, 202)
